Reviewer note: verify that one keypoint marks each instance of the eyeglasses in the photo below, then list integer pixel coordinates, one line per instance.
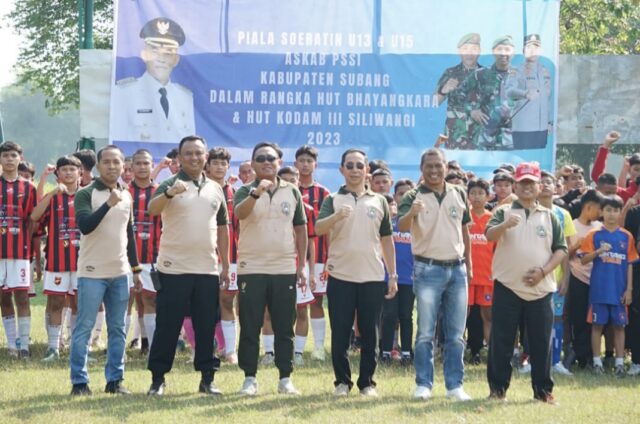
(351, 165)
(265, 158)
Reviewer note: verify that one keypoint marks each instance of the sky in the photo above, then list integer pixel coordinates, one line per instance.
(8, 45)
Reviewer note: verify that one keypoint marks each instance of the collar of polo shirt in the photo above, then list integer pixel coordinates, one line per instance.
(200, 183)
(279, 181)
(537, 207)
(99, 185)
(367, 191)
(424, 189)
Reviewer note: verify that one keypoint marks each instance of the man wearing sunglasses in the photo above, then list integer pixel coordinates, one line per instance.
(358, 223)
(272, 251)
(437, 214)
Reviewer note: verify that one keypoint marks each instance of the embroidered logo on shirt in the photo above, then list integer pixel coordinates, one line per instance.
(286, 208)
(453, 212)
(89, 268)
(243, 286)
(57, 281)
(541, 231)
(242, 264)
(371, 212)
(167, 264)
(330, 267)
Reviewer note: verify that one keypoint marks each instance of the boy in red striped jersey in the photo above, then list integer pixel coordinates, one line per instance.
(56, 212)
(217, 167)
(147, 231)
(313, 194)
(17, 200)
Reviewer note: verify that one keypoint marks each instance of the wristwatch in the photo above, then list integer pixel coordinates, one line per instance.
(393, 277)
(253, 193)
(167, 195)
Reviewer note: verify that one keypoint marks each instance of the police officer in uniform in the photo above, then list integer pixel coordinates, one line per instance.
(484, 96)
(152, 107)
(530, 88)
(458, 125)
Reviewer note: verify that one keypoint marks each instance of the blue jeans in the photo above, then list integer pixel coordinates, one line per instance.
(114, 293)
(440, 287)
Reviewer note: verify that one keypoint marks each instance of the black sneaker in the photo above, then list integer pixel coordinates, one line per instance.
(619, 371)
(144, 346)
(116, 388)
(209, 388)
(406, 360)
(80, 390)
(475, 359)
(500, 396)
(385, 359)
(135, 343)
(157, 388)
(24, 354)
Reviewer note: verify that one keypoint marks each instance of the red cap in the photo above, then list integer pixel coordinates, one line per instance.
(528, 171)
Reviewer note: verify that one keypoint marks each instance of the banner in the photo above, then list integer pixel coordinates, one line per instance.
(385, 76)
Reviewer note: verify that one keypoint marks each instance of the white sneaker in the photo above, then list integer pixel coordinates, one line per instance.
(634, 370)
(268, 359)
(298, 360)
(560, 369)
(458, 394)
(249, 387)
(318, 354)
(525, 369)
(369, 391)
(422, 392)
(341, 390)
(286, 387)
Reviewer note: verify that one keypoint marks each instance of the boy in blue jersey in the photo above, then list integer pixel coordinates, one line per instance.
(399, 308)
(612, 250)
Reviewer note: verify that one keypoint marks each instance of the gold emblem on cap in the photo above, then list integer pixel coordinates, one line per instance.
(163, 27)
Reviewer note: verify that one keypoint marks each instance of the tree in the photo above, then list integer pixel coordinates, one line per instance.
(49, 59)
(600, 27)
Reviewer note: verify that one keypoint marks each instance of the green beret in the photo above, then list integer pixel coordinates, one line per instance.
(505, 39)
(163, 31)
(471, 38)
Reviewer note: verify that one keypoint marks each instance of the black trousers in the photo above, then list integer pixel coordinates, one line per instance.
(538, 316)
(398, 309)
(580, 328)
(181, 295)
(475, 330)
(345, 299)
(278, 294)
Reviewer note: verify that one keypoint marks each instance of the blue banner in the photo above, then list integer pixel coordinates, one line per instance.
(385, 76)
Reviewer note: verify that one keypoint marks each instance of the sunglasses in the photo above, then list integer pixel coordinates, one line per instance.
(351, 165)
(265, 158)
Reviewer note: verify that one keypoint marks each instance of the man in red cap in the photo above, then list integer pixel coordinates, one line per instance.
(529, 245)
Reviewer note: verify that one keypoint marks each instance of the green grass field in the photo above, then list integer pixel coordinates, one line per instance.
(34, 392)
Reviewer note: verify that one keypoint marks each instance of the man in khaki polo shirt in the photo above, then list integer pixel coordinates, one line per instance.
(437, 214)
(107, 254)
(530, 244)
(360, 238)
(194, 229)
(272, 251)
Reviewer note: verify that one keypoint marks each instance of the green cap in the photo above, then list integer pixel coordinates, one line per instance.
(471, 38)
(505, 39)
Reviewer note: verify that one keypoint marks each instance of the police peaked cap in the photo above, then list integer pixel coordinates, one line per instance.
(163, 31)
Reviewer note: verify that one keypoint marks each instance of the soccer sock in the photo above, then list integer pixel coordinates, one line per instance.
(53, 333)
(150, 326)
(189, 334)
(558, 333)
(597, 361)
(406, 354)
(300, 342)
(24, 331)
(318, 327)
(229, 333)
(97, 328)
(219, 337)
(267, 341)
(9, 323)
(66, 316)
(136, 328)
(143, 330)
(619, 361)
(127, 326)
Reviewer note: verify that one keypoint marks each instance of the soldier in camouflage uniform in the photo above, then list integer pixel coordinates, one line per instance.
(459, 127)
(485, 99)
